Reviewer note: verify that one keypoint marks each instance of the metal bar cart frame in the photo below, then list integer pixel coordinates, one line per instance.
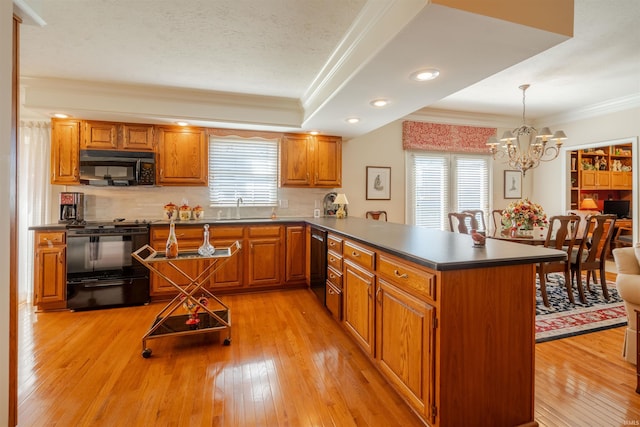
(165, 323)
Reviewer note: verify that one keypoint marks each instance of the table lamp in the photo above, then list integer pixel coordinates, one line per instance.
(341, 200)
(588, 204)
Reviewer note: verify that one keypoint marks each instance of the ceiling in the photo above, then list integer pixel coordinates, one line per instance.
(299, 65)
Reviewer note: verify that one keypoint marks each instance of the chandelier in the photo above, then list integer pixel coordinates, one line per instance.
(524, 147)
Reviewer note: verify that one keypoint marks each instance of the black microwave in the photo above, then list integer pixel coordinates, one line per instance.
(107, 167)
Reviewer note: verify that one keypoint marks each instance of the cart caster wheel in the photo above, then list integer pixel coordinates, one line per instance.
(146, 353)
(227, 341)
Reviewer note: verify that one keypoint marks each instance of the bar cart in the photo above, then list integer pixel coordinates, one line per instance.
(202, 317)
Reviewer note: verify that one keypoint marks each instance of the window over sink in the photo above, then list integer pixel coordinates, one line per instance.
(243, 168)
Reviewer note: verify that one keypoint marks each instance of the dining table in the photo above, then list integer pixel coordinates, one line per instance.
(536, 237)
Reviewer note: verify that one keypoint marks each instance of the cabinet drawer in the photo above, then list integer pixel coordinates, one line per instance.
(333, 301)
(270, 231)
(359, 255)
(334, 243)
(226, 232)
(334, 260)
(182, 233)
(334, 277)
(410, 278)
(48, 238)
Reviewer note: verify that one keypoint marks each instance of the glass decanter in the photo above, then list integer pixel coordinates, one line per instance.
(206, 249)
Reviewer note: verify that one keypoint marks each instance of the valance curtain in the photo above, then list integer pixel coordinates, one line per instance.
(441, 137)
(34, 196)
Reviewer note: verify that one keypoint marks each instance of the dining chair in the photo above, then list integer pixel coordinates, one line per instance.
(376, 215)
(561, 235)
(496, 215)
(590, 256)
(478, 215)
(462, 222)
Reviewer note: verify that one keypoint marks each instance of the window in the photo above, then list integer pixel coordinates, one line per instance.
(439, 183)
(243, 168)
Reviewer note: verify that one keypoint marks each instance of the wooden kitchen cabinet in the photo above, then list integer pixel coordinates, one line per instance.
(405, 336)
(310, 161)
(295, 257)
(117, 136)
(183, 156)
(595, 180)
(50, 270)
(65, 151)
(358, 282)
(229, 275)
(264, 256)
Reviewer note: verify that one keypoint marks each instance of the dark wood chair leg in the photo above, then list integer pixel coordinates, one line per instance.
(579, 285)
(568, 285)
(603, 283)
(543, 287)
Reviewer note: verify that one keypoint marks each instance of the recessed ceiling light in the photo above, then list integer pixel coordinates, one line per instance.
(182, 123)
(380, 102)
(314, 132)
(352, 120)
(426, 74)
(60, 115)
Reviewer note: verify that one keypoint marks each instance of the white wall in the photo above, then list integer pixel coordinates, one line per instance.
(6, 30)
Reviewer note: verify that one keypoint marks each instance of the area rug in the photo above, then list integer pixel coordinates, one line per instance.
(563, 319)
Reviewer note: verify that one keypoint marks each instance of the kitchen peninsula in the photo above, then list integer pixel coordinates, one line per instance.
(451, 326)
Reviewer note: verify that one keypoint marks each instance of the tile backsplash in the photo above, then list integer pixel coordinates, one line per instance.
(108, 203)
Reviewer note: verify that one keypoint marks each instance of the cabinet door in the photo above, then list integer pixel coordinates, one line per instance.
(50, 277)
(137, 137)
(99, 136)
(229, 275)
(182, 156)
(296, 165)
(588, 180)
(328, 162)
(358, 287)
(405, 342)
(603, 179)
(264, 262)
(295, 254)
(65, 151)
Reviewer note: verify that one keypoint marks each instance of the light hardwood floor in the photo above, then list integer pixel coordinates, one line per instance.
(289, 364)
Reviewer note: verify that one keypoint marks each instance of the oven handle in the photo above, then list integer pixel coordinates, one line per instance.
(72, 235)
(97, 283)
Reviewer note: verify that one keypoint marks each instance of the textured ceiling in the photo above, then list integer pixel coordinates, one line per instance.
(322, 59)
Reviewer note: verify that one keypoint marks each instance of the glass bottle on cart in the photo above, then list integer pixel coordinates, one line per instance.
(206, 249)
(172, 242)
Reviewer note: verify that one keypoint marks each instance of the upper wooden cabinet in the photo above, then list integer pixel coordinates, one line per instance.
(117, 136)
(183, 156)
(311, 161)
(65, 152)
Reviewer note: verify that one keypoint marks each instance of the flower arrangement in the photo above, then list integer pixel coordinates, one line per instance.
(524, 214)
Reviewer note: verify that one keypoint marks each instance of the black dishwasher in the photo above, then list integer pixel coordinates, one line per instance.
(318, 273)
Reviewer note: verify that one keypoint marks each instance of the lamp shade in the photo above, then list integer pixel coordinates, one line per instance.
(588, 203)
(341, 199)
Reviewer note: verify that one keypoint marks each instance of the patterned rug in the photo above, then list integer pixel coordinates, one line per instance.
(563, 319)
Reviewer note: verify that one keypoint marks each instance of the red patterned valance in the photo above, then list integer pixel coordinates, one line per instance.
(439, 137)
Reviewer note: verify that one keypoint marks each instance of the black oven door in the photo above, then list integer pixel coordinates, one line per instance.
(101, 271)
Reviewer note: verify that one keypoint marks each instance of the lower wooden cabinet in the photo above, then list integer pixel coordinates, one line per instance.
(295, 258)
(358, 289)
(264, 256)
(405, 344)
(50, 270)
(271, 256)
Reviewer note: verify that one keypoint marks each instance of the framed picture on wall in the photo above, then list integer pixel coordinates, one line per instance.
(512, 184)
(378, 183)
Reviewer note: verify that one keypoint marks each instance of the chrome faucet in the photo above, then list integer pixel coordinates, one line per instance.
(238, 202)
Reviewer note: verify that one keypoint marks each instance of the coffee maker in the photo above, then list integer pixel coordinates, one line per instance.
(71, 208)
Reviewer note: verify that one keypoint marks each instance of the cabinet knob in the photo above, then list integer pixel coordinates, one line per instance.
(378, 294)
(355, 254)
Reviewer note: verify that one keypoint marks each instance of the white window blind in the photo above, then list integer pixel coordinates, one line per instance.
(439, 183)
(243, 168)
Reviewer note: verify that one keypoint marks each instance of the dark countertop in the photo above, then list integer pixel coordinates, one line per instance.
(435, 249)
